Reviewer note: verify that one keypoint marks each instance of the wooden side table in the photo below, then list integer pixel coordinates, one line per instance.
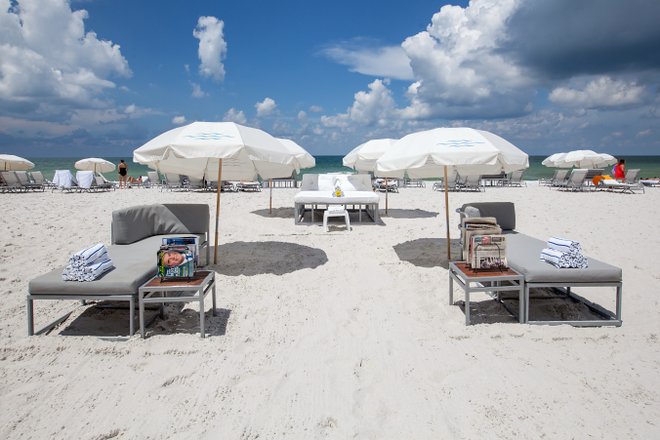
(485, 281)
(193, 289)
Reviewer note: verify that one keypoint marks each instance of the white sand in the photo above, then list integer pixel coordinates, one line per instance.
(337, 335)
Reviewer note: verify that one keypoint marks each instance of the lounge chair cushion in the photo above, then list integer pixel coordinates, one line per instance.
(504, 212)
(135, 223)
(134, 265)
(523, 254)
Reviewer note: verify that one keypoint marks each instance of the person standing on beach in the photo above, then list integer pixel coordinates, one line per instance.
(619, 170)
(123, 171)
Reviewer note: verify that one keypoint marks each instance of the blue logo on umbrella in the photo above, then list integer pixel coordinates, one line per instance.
(213, 136)
(460, 143)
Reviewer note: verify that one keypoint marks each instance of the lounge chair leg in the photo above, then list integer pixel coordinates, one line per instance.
(30, 317)
(131, 323)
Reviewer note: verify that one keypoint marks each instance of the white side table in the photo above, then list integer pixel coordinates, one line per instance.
(193, 289)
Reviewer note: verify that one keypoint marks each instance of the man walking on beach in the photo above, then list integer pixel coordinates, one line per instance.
(123, 171)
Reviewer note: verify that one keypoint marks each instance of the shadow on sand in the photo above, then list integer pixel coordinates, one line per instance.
(277, 212)
(408, 213)
(427, 252)
(266, 257)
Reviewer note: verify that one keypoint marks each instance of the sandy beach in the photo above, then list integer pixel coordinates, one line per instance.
(332, 335)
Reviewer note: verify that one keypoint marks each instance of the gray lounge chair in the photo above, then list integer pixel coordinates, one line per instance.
(515, 179)
(25, 182)
(171, 181)
(575, 181)
(11, 182)
(154, 180)
(470, 183)
(559, 179)
(453, 181)
(38, 177)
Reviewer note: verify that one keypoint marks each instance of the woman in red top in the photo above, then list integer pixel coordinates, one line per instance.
(620, 170)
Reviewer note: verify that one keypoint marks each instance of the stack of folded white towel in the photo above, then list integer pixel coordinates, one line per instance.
(88, 264)
(564, 253)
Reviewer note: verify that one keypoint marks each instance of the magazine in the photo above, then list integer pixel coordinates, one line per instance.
(191, 242)
(488, 252)
(175, 261)
(477, 226)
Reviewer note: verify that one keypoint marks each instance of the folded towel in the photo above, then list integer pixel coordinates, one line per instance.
(563, 259)
(88, 264)
(565, 245)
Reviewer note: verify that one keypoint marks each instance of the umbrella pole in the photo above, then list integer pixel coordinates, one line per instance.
(447, 216)
(217, 211)
(270, 204)
(386, 191)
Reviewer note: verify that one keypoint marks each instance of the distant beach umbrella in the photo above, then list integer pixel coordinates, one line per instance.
(579, 159)
(364, 157)
(95, 164)
(224, 149)
(9, 162)
(428, 154)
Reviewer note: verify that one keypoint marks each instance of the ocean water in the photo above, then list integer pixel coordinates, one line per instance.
(649, 165)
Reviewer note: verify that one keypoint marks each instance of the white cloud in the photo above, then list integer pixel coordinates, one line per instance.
(375, 106)
(234, 115)
(387, 61)
(179, 120)
(265, 107)
(197, 91)
(602, 92)
(302, 115)
(212, 47)
(46, 56)
(315, 109)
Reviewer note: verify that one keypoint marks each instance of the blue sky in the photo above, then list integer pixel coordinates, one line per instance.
(102, 77)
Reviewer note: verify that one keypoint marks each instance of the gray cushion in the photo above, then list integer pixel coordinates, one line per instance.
(134, 265)
(504, 212)
(523, 254)
(137, 222)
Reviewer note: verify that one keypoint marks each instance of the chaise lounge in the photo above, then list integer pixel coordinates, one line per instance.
(318, 189)
(136, 235)
(523, 254)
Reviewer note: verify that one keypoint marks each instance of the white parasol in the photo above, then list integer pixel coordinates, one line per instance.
(428, 154)
(9, 162)
(579, 159)
(95, 164)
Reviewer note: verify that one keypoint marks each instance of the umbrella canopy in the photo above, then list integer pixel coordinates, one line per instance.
(9, 162)
(364, 156)
(223, 149)
(579, 159)
(197, 149)
(428, 154)
(95, 164)
(302, 159)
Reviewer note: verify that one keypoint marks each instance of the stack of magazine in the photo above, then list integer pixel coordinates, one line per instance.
(488, 252)
(178, 257)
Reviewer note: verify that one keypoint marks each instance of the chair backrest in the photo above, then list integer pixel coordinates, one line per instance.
(516, 176)
(38, 177)
(577, 176)
(10, 178)
(632, 175)
(85, 179)
(153, 176)
(560, 176)
(504, 212)
(22, 177)
(172, 179)
(99, 180)
(472, 180)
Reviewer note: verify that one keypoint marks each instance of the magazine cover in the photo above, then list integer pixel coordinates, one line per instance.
(191, 242)
(488, 252)
(175, 261)
(470, 229)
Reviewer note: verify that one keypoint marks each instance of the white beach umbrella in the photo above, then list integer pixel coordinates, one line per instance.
(428, 154)
(228, 150)
(9, 162)
(579, 159)
(95, 164)
(364, 157)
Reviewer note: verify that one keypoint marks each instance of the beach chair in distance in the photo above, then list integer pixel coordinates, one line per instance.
(38, 177)
(576, 180)
(389, 185)
(453, 181)
(153, 179)
(470, 183)
(515, 179)
(195, 183)
(25, 182)
(629, 184)
(11, 182)
(102, 185)
(171, 182)
(226, 186)
(559, 178)
(249, 186)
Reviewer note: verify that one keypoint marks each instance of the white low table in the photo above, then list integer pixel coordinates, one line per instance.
(336, 211)
(193, 289)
